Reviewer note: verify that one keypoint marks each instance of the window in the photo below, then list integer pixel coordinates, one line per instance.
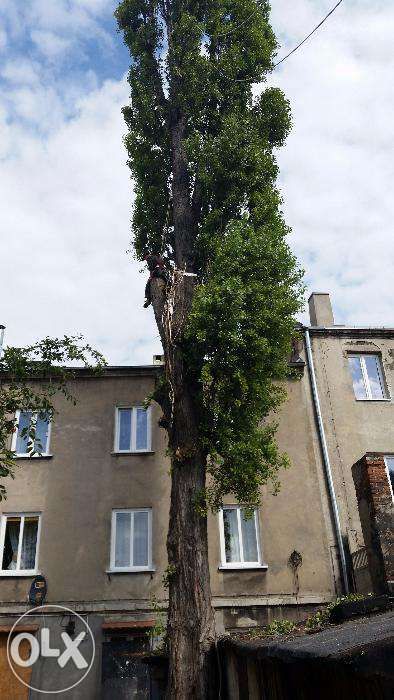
(367, 375)
(19, 537)
(133, 430)
(239, 538)
(389, 459)
(28, 423)
(131, 545)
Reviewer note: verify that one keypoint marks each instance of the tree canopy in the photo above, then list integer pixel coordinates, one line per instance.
(197, 116)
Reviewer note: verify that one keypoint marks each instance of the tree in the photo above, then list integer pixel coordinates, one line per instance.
(30, 378)
(200, 145)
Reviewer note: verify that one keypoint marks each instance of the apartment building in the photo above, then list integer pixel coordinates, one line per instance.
(90, 514)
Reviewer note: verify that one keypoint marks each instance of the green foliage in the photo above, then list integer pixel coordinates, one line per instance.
(169, 573)
(29, 379)
(317, 621)
(280, 627)
(240, 326)
(158, 632)
(275, 628)
(195, 62)
(321, 618)
(216, 50)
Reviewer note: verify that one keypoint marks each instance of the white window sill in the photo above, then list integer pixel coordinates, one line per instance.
(43, 456)
(374, 400)
(239, 566)
(137, 452)
(18, 574)
(135, 570)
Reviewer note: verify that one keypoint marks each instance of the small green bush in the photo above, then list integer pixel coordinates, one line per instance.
(276, 627)
(321, 618)
(280, 627)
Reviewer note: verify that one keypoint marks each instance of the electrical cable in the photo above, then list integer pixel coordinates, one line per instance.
(244, 80)
(309, 35)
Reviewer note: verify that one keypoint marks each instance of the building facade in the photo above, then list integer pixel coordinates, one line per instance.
(90, 514)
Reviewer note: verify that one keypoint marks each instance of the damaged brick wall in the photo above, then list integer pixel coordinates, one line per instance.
(376, 510)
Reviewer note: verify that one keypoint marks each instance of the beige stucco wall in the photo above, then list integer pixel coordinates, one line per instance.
(78, 487)
(353, 427)
(295, 519)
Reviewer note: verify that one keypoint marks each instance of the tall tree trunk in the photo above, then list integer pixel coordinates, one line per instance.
(191, 626)
(191, 623)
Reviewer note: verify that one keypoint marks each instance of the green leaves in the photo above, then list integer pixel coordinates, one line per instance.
(195, 63)
(272, 116)
(238, 341)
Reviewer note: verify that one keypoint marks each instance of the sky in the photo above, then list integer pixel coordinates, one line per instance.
(66, 193)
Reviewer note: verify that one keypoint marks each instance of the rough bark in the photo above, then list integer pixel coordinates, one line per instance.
(191, 625)
(190, 621)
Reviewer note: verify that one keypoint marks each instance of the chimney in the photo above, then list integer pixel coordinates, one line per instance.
(320, 309)
(158, 359)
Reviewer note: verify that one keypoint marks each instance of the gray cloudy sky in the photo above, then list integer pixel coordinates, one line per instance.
(65, 192)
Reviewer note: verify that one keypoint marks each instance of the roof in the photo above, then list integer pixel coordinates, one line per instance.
(118, 370)
(351, 331)
(108, 371)
(366, 643)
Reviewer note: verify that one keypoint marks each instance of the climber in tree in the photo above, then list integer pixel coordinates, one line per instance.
(156, 267)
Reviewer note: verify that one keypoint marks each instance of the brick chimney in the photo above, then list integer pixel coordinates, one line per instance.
(320, 309)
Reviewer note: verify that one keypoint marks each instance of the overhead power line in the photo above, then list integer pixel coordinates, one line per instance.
(309, 35)
(243, 80)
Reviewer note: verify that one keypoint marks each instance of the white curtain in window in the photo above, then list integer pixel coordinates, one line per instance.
(122, 544)
(142, 429)
(13, 528)
(29, 544)
(124, 417)
(249, 541)
(140, 542)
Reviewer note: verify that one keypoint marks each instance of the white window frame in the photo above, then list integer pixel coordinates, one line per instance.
(133, 449)
(388, 473)
(241, 564)
(18, 571)
(379, 364)
(15, 437)
(130, 569)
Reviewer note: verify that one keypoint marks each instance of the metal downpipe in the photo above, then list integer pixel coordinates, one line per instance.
(326, 460)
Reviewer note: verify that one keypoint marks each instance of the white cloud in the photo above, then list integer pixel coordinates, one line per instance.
(20, 71)
(65, 191)
(65, 206)
(50, 44)
(336, 168)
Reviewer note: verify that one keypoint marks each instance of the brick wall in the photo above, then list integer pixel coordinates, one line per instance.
(376, 510)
